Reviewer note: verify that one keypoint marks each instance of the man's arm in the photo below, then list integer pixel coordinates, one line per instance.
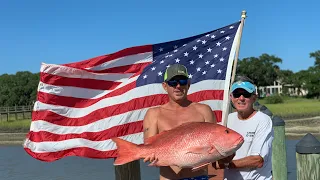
(150, 123)
(246, 162)
(207, 113)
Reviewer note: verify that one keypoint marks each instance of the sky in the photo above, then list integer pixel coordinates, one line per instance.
(64, 31)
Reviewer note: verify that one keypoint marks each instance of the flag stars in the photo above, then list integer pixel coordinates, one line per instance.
(204, 42)
(218, 43)
(204, 72)
(212, 65)
(221, 59)
(200, 56)
(228, 37)
(176, 50)
(175, 47)
(198, 40)
(168, 65)
(160, 73)
(153, 68)
(186, 54)
(219, 71)
(190, 76)
(213, 36)
(225, 48)
(145, 76)
(207, 35)
(207, 62)
(194, 47)
(198, 69)
(192, 62)
(161, 61)
(222, 32)
(161, 49)
(209, 49)
(231, 27)
(216, 55)
(177, 60)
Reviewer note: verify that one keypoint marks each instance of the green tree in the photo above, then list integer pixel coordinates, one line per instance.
(316, 55)
(263, 70)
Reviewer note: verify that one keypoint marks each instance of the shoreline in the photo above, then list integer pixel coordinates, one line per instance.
(295, 129)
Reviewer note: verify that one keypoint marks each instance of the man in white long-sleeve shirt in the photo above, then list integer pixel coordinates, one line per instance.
(253, 160)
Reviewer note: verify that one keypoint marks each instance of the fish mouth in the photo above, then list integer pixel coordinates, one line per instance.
(238, 143)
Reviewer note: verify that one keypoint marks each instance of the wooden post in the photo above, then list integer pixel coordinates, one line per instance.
(279, 154)
(129, 171)
(308, 158)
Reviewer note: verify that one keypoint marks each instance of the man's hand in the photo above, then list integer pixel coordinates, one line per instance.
(227, 159)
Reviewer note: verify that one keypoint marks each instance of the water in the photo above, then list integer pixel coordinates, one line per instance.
(16, 164)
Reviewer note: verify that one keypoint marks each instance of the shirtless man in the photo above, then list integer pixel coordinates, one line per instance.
(172, 114)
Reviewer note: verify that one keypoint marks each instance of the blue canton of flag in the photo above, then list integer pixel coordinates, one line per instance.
(205, 56)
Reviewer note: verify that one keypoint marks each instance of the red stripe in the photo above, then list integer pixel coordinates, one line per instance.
(109, 57)
(78, 82)
(116, 131)
(81, 152)
(134, 104)
(80, 102)
(218, 114)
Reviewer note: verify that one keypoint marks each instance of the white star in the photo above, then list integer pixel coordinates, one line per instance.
(186, 54)
(190, 76)
(198, 69)
(194, 47)
(192, 62)
(207, 35)
(221, 32)
(160, 73)
(209, 49)
(204, 72)
(207, 62)
(219, 71)
(198, 40)
(213, 65)
(216, 55)
(153, 68)
(161, 61)
(168, 66)
(177, 60)
(176, 50)
(231, 27)
(204, 42)
(222, 59)
(184, 44)
(145, 76)
(213, 36)
(175, 47)
(218, 43)
(225, 48)
(200, 56)
(161, 49)
(227, 38)
(166, 56)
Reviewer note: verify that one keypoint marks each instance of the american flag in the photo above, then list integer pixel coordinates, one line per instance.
(80, 106)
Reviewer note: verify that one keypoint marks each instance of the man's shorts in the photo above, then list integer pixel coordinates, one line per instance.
(205, 177)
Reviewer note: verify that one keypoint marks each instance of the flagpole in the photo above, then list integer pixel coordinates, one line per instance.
(228, 109)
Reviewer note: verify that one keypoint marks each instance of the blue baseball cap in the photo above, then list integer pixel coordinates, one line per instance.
(243, 85)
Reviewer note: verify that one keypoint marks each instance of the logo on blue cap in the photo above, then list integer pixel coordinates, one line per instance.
(243, 85)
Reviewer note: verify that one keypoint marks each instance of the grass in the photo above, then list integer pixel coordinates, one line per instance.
(294, 108)
(21, 125)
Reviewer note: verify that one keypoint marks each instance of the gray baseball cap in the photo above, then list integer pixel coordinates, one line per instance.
(175, 70)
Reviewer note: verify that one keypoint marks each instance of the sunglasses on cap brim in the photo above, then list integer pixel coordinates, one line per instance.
(174, 82)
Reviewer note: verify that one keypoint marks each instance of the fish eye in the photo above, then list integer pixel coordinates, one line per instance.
(227, 131)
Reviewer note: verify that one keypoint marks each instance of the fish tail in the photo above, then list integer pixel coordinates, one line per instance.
(126, 150)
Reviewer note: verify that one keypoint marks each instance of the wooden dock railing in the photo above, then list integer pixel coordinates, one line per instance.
(7, 111)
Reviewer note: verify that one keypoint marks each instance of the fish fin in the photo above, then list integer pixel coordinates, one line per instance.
(201, 150)
(151, 139)
(200, 167)
(126, 150)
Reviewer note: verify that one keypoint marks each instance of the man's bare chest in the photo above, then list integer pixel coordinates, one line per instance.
(169, 120)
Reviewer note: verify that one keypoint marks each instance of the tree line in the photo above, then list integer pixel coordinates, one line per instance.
(21, 88)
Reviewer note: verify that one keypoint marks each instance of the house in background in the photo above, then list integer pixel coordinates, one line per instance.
(278, 88)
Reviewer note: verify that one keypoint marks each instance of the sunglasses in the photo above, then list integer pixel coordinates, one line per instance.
(174, 83)
(245, 94)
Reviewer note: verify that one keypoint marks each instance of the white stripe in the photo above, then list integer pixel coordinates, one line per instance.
(126, 60)
(70, 72)
(78, 92)
(105, 123)
(138, 92)
(106, 145)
